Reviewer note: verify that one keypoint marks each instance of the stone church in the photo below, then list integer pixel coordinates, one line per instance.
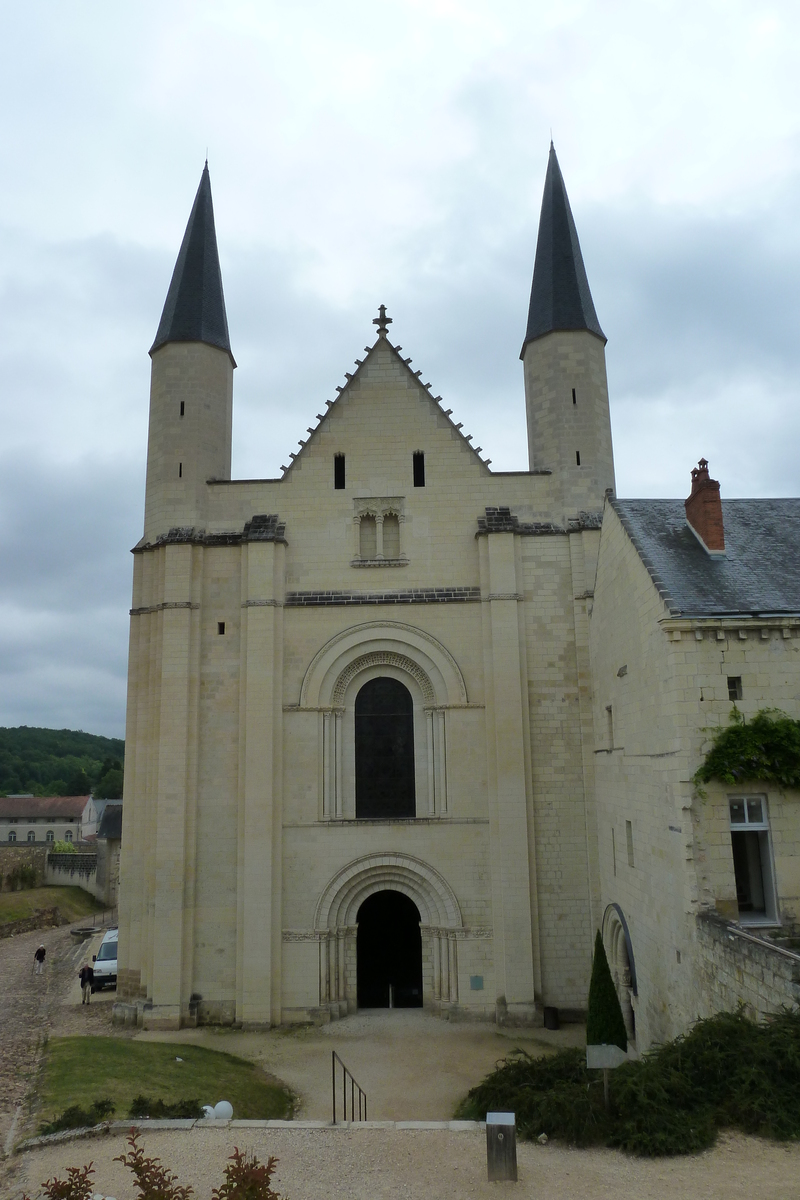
(362, 731)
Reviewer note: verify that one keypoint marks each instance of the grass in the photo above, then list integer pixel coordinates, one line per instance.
(728, 1072)
(72, 902)
(79, 1070)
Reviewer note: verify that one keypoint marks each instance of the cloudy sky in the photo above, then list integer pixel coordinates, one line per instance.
(365, 153)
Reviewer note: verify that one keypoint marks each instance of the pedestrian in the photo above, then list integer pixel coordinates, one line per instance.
(86, 976)
(38, 960)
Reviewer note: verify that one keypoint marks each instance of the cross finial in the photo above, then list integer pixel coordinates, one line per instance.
(382, 321)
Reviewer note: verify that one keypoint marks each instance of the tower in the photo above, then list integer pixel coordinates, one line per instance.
(566, 392)
(191, 389)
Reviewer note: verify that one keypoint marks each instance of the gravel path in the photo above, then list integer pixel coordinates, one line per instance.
(419, 1165)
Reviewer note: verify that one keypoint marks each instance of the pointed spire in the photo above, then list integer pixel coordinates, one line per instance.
(194, 310)
(560, 296)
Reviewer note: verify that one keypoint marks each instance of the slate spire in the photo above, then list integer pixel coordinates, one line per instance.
(560, 296)
(194, 310)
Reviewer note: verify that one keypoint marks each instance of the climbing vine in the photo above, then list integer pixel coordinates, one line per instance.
(766, 748)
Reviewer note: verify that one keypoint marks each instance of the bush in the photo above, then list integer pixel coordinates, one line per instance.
(77, 1185)
(605, 1025)
(180, 1110)
(76, 1117)
(727, 1072)
(21, 877)
(63, 847)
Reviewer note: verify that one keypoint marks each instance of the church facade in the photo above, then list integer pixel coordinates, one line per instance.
(405, 731)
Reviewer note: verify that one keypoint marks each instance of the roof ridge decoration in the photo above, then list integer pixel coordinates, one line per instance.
(560, 296)
(383, 322)
(194, 310)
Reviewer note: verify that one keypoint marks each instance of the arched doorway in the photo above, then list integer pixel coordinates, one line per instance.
(389, 952)
(384, 746)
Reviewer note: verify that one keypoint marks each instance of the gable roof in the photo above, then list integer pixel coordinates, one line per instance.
(53, 808)
(194, 310)
(404, 364)
(759, 575)
(560, 295)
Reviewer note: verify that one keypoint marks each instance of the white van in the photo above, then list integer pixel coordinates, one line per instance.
(105, 962)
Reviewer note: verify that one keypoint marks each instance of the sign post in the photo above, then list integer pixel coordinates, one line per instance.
(501, 1147)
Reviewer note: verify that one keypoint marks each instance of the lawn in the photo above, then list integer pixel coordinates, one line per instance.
(72, 902)
(80, 1070)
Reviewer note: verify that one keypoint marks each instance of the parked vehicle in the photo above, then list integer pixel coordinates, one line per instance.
(105, 962)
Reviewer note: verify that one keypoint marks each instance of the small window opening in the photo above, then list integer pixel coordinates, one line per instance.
(574, 397)
(180, 470)
(183, 406)
(391, 536)
(752, 862)
(678, 957)
(613, 850)
(734, 687)
(610, 723)
(220, 626)
(31, 835)
(368, 537)
(419, 469)
(629, 839)
(577, 458)
(338, 472)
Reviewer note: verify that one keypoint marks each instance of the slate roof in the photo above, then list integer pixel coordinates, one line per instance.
(759, 575)
(53, 807)
(194, 310)
(111, 822)
(560, 296)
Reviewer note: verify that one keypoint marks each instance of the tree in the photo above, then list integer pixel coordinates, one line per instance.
(78, 784)
(110, 786)
(604, 1022)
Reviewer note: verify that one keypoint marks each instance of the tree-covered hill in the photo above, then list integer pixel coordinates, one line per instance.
(60, 762)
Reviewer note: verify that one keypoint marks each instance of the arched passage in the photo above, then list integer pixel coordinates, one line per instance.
(389, 952)
(384, 750)
(619, 952)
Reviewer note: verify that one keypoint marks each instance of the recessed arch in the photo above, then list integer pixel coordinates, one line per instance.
(352, 885)
(617, 941)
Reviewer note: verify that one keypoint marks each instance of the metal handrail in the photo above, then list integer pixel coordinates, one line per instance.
(354, 1087)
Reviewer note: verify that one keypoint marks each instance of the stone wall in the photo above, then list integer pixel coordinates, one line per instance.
(737, 967)
(73, 870)
(22, 855)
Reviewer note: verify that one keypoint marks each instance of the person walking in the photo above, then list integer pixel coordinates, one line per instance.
(86, 976)
(38, 960)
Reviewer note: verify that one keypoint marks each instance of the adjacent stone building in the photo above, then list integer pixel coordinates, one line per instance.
(388, 742)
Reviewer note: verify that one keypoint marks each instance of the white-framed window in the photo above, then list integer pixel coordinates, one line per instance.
(12, 835)
(752, 860)
(31, 835)
(50, 836)
(67, 835)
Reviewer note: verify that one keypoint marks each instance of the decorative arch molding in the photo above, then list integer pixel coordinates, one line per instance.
(414, 651)
(382, 658)
(615, 933)
(336, 927)
(435, 899)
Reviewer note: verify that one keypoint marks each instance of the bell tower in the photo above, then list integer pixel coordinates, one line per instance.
(191, 383)
(566, 392)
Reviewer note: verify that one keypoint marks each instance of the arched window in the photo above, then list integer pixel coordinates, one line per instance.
(384, 745)
(12, 835)
(67, 835)
(31, 835)
(50, 836)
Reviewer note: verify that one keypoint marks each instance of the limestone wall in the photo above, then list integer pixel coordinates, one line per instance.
(735, 967)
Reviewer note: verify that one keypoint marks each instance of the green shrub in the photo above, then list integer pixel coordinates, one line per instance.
(766, 748)
(63, 847)
(179, 1110)
(605, 1025)
(21, 877)
(727, 1072)
(76, 1117)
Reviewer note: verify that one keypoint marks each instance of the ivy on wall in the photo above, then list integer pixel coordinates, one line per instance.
(766, 748)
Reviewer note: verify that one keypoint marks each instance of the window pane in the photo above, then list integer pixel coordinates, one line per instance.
(384, 735)
(754, 813)
(737, 812)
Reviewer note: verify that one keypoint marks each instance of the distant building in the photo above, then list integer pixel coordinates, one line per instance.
(109, 841)
(26, 818)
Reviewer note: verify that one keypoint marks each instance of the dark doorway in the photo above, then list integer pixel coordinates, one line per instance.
(384, 750)
(389, 952)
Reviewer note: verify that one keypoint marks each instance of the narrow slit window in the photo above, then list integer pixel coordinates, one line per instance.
(183, 406)
(220, 626)
(629, 839)
(613, 850)
(734, 687)
(574, 397)
(338, 472)
(577, 458)
(610, 725)
(419, 469)
(180, 470)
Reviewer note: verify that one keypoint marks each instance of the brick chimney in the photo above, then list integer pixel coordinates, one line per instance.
(704, 511)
